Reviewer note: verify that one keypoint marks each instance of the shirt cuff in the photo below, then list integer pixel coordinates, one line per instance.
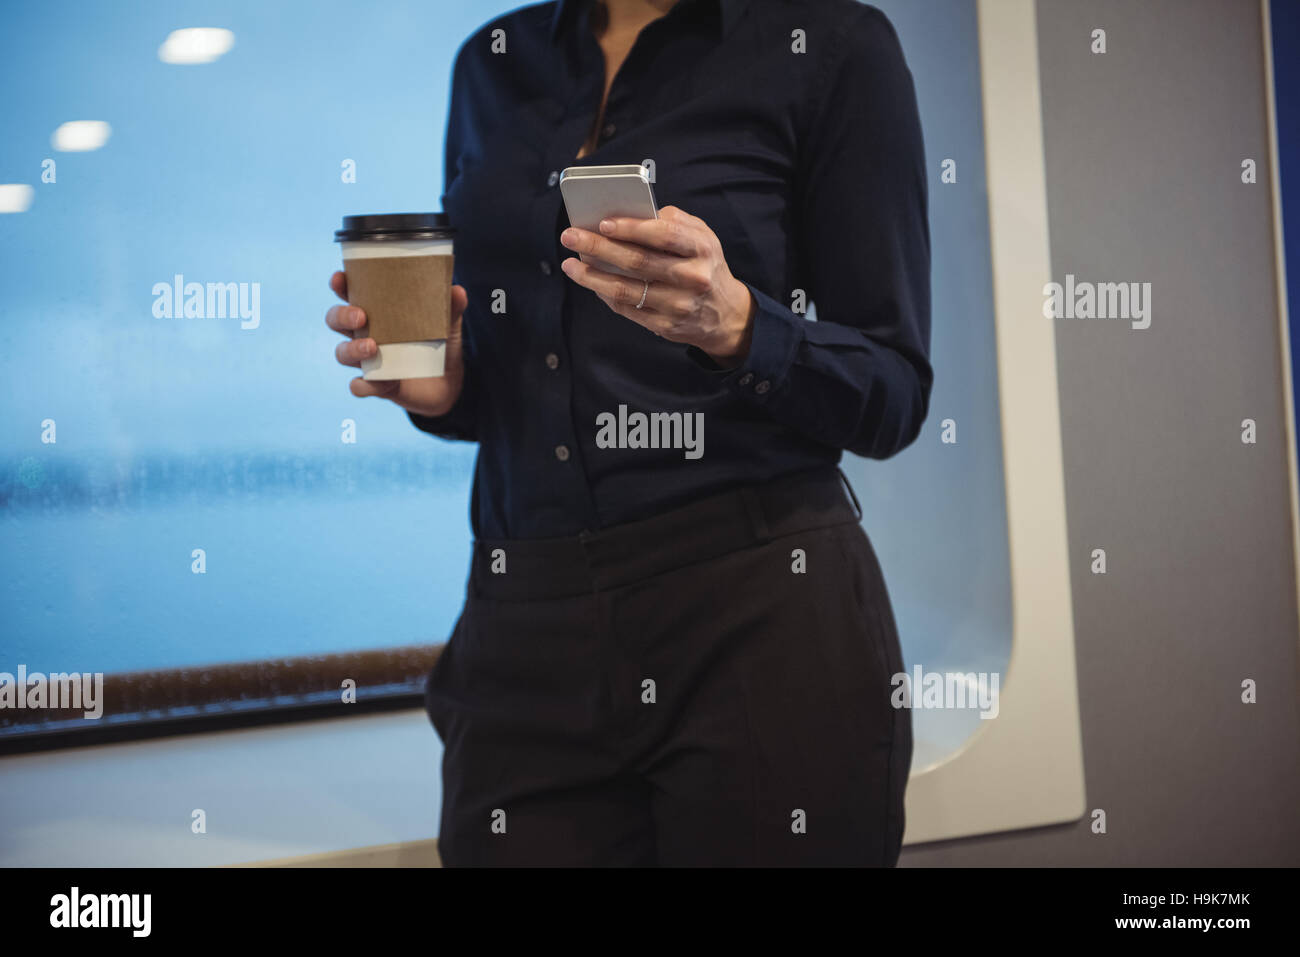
(776, 336)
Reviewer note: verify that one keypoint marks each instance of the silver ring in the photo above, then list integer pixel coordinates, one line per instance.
(643, 292)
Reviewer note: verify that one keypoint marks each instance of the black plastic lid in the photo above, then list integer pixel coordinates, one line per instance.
(395, 226)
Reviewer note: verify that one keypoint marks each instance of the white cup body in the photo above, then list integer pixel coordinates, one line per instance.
(402, 360)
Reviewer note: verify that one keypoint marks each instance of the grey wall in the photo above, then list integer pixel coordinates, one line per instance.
(1143, 152)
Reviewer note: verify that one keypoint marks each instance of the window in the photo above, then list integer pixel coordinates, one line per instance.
(197, 508)
(182, 493)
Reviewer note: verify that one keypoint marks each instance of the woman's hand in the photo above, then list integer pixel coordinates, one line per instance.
(431, 396)
(693, 298)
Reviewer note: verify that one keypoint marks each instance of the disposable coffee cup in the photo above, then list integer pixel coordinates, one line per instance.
(399, 269)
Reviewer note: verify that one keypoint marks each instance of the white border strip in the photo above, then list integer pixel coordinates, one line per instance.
(1024, 768)
(1284, 322)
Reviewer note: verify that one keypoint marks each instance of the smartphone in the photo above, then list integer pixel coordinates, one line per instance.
(592, 193)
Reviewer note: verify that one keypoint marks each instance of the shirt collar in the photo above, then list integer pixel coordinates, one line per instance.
(565, 10)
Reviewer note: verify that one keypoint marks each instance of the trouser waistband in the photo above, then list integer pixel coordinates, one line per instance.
(524, 569)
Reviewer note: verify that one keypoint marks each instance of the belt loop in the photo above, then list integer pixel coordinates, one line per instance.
(849, 488)
(756, 513)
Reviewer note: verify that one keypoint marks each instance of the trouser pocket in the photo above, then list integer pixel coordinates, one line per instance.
(437, 682)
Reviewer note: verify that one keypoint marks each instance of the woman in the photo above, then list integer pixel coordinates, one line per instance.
(677, 655)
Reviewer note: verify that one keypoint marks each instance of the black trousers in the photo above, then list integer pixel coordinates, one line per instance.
(710, 686)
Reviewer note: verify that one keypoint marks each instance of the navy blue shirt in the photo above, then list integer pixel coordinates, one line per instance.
(790, 127)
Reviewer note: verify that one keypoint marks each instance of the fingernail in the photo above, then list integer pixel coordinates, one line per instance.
(358, 317)
(607, 225)
(567, 267)
(569, 236)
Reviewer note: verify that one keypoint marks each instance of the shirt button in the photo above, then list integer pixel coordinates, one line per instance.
(552, 361)
(746, 379)
(608, 131)
(762, 387)
(545, 267)
(553, 178)
(562, 453)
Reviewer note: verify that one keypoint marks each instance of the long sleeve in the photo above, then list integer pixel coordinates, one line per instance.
(460, 422)
(859, 377)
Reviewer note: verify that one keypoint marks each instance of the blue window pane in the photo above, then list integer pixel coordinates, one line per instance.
(221, 434)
